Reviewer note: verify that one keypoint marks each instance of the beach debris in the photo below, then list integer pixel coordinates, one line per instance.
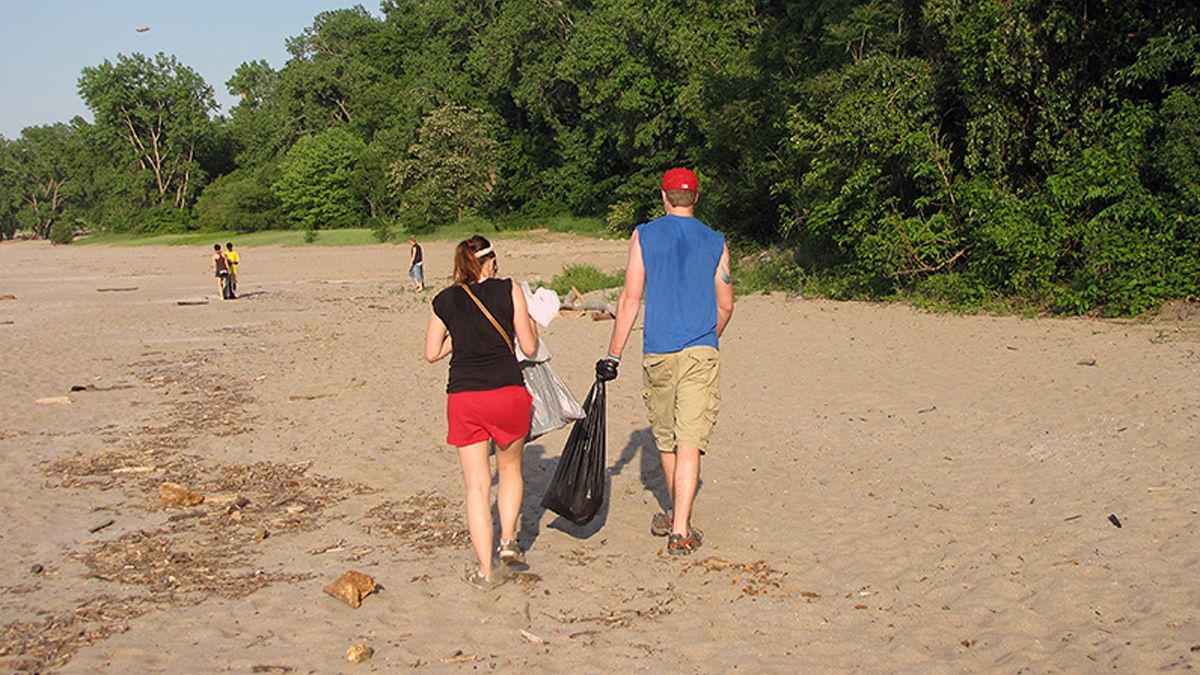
(755, 578)
(1068, 519)
(1086, 362)
(458, 657)
(92, 387)
(195, 513)
(1112, 518)
(359, 653)
(332, 548)
(101, 526)
(191, 302)
(7, 323)
(427, 520)
(351, 588)
(271, 669)
(117, 289)
(309, 397)
(7, 296)
(531, 637)
(54, 400)
(132, 469)
(36, 569)
(173, 494)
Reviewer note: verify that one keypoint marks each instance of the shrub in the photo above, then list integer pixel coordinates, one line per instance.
(62, 231)
(585, 278)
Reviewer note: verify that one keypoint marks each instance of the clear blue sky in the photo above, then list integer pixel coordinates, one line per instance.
(44, 44)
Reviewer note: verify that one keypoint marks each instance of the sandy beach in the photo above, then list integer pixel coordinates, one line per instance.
(888, 490)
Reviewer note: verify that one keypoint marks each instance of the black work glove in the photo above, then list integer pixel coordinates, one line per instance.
(606, 369)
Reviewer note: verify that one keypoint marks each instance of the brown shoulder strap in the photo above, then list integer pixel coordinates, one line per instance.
(507, 340)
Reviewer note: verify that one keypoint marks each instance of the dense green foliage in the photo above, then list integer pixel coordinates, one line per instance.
(965, 152)
(584, 278)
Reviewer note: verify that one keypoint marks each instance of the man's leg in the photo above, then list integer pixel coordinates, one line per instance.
(668, 467)
(685, 477)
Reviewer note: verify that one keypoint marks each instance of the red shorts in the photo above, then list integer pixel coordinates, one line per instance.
(499, 414)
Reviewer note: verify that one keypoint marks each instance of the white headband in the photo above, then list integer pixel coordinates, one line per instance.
(483, 253)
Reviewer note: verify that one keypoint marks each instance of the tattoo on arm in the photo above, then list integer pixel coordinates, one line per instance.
(725, 274)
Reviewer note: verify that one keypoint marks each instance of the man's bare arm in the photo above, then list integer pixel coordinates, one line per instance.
(630, 300)
(723, 284)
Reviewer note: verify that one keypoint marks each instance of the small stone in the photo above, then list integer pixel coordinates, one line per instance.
(359, 653)
(173, 494)
(351, 588)
(36, 569)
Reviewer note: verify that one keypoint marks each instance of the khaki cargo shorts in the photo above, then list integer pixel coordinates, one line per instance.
(682, 394)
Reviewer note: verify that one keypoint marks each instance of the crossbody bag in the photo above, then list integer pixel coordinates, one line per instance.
(507, 340)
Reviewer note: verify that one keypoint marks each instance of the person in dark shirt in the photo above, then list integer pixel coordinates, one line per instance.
(220, 268)
(474, 322)
(416, 264)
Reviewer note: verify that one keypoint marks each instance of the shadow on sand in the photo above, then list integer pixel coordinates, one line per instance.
(539, 468)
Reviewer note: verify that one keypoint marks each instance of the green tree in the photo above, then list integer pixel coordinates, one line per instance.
(159, 109)
(43, 170)
(10, 193)
(451, 171)
(314, 186)
(241, 201)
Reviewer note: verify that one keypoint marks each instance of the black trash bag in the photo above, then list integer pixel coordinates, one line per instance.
(577, 489)
(226, 286)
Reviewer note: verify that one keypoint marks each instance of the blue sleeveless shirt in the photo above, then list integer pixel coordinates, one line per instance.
(680, 255)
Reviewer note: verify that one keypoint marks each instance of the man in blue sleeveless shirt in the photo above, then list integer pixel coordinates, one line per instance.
(682, 266)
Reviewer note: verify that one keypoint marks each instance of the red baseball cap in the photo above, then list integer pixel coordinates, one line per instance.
(680, 179)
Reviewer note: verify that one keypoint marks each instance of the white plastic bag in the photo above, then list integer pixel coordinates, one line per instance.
(554, 406)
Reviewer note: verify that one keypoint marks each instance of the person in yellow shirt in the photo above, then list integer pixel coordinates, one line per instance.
(233, 258)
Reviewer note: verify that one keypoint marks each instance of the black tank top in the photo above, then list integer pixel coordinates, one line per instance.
(481, 360)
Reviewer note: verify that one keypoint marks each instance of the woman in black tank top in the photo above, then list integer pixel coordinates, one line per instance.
(475, 322)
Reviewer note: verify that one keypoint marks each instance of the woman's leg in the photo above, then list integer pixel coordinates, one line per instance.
(512, 487)
(477, 474)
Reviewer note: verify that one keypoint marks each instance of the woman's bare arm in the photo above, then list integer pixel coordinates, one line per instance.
(523, 324)
(437, 340)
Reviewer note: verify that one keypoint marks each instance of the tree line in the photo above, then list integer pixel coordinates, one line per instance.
(1038, 149)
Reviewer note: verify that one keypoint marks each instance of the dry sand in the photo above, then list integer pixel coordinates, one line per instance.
(888, 490)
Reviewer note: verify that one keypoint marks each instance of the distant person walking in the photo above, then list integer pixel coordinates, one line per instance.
(220, 267)
(682, 268)
(474, 322)
(416, 264)
(232, 257)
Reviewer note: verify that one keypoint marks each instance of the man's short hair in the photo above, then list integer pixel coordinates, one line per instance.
(682, 197)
